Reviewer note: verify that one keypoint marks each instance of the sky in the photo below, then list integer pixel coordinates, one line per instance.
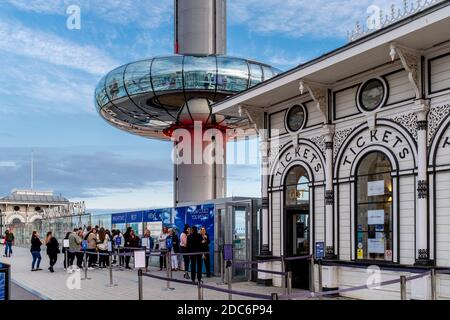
(48, 74)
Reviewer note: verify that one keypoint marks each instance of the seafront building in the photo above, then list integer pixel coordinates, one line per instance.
(359, 157)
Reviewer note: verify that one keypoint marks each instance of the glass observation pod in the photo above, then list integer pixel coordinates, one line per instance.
(146, 97)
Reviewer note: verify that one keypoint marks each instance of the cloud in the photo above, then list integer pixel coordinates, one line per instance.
(299, 18)
(142, 13)
(19, 39)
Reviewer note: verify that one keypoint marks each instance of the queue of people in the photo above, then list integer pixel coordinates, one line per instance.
(98, 242)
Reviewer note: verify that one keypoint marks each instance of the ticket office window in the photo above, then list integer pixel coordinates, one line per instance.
(374, 208)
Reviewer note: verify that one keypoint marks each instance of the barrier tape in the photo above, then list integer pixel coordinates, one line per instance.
(363, 287)
(266, 271)
(205, 286)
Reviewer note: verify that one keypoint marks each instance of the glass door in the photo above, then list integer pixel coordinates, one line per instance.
(241, 233)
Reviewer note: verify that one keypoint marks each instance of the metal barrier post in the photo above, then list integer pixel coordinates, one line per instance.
(140, 285)
(66, 259)
(168, 272)
(320, 277)
(85, 267)
(283, 277)
(229, 270)
(433, 285)
(222, 266)
(312, 286)
(274, 296)
(200, 291)
(289, 282)
(403, 287)
(111, 281)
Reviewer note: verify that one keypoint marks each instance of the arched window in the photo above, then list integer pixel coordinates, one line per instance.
(374, 208)
(297, 187)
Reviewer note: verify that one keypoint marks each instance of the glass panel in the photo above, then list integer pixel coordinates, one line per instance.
(268, 73)
(233, 74)
(114, 84)
(200, 73)
(100, 94)
(166, 73)
(137, 77)
(297, 187)
(300, 234)
(240, 238)
(256, 74)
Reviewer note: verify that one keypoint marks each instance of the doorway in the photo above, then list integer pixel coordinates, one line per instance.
(297, 231)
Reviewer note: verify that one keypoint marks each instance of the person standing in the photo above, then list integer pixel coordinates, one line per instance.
(205, 248)
(74, 250)
(148, 247)
(64, 249)
(184, 249)
(175, 250)
(52, 250)
(162, 242)
(35, 250)
(9, 241)
(91, 238)
(131, 242)
(102, 246)
(194, 243)
(119, 247)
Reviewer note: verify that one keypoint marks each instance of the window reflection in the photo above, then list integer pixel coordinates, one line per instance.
(200, 73)
(115, 87)
(297, 187)
(256, 74)
(137, 77)
(233, 74)
(167, 73)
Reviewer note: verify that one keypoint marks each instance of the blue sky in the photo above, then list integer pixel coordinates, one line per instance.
(48, 75)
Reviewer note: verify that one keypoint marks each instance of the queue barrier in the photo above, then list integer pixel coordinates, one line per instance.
(202, 286)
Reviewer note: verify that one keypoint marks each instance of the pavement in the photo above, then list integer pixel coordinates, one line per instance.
(60, 285)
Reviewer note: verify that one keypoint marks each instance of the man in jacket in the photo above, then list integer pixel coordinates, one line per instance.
(194, 243)
(74, 250)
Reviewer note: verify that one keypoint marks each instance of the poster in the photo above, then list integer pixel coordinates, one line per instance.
(375, 217)
(139, 259)
(375, 188)
(66, 243)
(376, 245)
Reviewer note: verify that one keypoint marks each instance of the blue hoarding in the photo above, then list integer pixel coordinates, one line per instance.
(118, 218)
(134, 217)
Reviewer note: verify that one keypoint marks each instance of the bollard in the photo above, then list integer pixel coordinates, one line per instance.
(140, 285)
(433, 285)
(311, 275)
(274, 296)
(200, 291)
(289, 282)
(403, 287)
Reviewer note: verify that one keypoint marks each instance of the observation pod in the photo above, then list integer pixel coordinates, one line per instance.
(170, 98)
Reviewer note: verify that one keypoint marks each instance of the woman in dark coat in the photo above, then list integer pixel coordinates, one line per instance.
(52, 250)
(131, 241)
(35, 250)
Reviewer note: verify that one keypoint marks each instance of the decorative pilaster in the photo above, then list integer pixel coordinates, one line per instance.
(329, 192)
(265, 163)
(422, 243)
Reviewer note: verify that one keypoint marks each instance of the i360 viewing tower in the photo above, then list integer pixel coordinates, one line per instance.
(155, 97)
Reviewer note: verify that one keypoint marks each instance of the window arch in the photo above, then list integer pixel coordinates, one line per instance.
(297, 187)
(374, 208)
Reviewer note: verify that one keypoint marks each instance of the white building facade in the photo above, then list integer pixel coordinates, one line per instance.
(359, 159)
